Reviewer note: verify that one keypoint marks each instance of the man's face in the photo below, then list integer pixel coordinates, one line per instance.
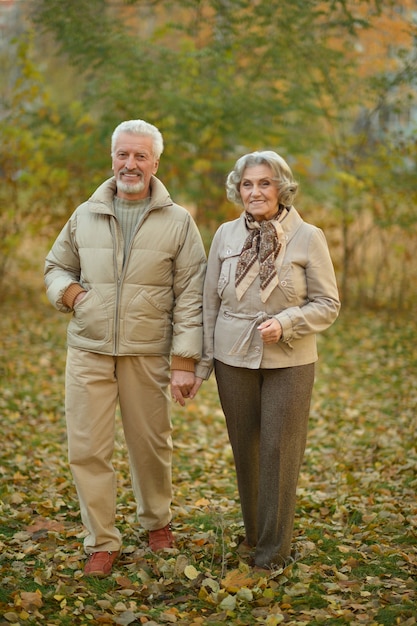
(133, 164)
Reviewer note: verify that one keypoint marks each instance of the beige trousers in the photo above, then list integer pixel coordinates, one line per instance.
(95, 383)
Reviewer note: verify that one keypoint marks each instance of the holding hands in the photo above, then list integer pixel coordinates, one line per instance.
(184, 385)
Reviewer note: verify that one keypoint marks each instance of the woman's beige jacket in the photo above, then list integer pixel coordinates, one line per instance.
(305, 302)
(149, 304)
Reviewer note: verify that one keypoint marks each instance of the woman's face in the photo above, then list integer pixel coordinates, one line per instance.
(259, 192)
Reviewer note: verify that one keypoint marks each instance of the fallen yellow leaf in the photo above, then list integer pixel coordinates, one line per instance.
(235, 580)
(191, 572)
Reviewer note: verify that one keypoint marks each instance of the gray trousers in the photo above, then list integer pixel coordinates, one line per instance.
(267, 414)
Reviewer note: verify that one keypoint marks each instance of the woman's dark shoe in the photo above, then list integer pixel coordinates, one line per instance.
(244, 549)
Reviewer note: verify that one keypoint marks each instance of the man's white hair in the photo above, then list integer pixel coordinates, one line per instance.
(139, 127)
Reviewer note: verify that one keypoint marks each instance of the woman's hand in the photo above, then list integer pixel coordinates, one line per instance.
(271, 330)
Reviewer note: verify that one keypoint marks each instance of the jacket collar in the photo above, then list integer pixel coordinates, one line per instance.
(101, 200)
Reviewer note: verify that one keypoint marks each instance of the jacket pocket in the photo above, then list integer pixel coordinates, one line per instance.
(292, 283)
(90, 319)
(227, 272)
(147, 319)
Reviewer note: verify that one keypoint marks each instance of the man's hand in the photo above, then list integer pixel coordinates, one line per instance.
(79, 297)
(184, 385)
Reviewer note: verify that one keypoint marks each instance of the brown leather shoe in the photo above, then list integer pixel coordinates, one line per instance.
(161, 538)
(100, 564)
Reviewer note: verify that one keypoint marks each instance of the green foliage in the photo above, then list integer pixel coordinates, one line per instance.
(219, 78)
(18, 151)
(38, 183)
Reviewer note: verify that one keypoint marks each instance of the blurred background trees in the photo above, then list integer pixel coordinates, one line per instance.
(329, 85)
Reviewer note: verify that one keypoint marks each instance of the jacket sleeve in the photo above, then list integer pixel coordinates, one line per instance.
(323, 304)
(189, 271)
(211, 306)
(62, 266)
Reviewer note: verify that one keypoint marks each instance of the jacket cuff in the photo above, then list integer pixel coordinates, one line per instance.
(286, 324)
(203, 371)
(70, 294)
(181, 363)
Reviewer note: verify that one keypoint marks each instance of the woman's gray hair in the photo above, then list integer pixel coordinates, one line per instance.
(281, 174)
(139, 127)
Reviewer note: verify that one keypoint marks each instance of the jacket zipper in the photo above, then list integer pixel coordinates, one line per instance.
(115, 227)
(116, 230)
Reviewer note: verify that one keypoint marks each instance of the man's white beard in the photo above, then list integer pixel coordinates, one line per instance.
(129, 188)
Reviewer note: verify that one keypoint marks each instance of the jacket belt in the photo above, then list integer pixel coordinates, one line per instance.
(241, 345)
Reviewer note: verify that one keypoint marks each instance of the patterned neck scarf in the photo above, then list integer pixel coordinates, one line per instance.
(258, 255)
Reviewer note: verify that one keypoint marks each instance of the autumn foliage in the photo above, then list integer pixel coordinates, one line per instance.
(330, 85)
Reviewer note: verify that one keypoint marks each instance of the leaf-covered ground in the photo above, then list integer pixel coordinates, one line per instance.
(357, 507)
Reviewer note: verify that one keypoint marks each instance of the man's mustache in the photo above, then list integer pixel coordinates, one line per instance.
(136, 172)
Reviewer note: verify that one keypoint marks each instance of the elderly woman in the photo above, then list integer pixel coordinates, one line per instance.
(270, 288)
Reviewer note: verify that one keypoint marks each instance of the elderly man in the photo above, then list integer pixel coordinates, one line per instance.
(129, 265)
